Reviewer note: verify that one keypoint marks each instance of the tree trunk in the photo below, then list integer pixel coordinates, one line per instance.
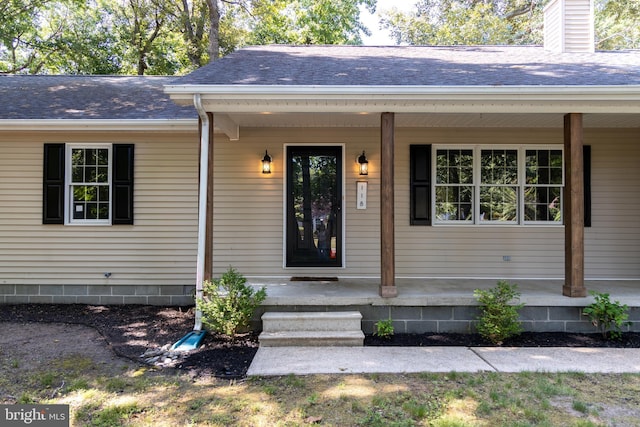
(214, 30)
(193, 32)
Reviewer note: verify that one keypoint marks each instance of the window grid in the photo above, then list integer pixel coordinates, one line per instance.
(89, 178)
(499, 185)
(544, 182)
(512, 185)
(454, 185)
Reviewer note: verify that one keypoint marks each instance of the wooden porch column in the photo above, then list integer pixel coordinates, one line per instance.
(387, 235)
(208, 250)
(573, 207)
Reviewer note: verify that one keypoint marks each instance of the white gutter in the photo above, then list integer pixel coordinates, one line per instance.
(148, 125)
(623, 99)
(202, 204)
(480, 92)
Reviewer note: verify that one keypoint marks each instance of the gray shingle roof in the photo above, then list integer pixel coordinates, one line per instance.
(88, 97)
(134, 97)
(417, 65)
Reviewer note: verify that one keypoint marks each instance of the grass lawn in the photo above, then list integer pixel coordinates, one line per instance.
(145, 397)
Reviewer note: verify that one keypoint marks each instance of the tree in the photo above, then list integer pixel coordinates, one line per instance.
(451, 22)
(30, 33)
(214, 29)
(617, 24)
(477, 22)
(88, 44)
(161, 36)
(299, 21)
(331, 21)
(142, 26)
(192, 18)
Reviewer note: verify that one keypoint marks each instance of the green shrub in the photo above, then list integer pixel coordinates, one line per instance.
(228, 303)
(606, 315)
(498, 319)
(384, 328)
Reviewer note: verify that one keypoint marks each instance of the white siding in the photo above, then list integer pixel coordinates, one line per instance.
(569, 26)
(474, 250)
(579, 26)
(612, 244)
(158, 250)
(553, 26)
(248, 211)
(248, 224)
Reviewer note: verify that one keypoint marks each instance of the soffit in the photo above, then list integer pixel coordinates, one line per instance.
(430, 120)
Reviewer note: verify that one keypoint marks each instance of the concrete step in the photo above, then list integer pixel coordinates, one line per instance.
(312, 339)
(311, 321)
(281, 329)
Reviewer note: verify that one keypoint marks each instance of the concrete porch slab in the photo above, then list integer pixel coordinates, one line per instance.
(433, 292)
(443, 305)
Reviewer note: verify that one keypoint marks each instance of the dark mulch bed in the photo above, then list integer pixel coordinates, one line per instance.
(525, 339)
(133, 329)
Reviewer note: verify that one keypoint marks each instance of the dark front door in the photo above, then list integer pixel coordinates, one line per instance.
(314, 215)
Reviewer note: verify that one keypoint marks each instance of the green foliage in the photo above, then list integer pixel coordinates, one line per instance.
(307, 22)
(384, 328)
(161, 37)
(450, 22)
(512, 22)
(173, 37)
(606, 315)
(498, 319)
(617, 24)
(228, 303)
(29, 33)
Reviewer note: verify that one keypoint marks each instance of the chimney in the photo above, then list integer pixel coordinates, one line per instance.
(568, 26)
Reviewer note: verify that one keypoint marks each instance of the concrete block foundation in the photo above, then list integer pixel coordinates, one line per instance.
(460, 319)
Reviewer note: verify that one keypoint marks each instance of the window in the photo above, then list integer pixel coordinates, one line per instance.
(543, 190)
(483, 185)
(535, 189)
(88, 184)
(499, 186)
(454, 185)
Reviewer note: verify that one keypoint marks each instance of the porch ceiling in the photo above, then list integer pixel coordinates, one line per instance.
(415, 106)
(428, 120)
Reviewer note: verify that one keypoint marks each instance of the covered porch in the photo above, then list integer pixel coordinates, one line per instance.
(442, 305)
(248, 111)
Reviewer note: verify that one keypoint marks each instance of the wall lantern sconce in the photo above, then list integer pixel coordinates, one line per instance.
(266, 162)
(363, 164)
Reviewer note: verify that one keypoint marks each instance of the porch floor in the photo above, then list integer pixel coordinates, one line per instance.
(433, 292)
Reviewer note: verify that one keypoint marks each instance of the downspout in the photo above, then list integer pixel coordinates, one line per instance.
(202, 203)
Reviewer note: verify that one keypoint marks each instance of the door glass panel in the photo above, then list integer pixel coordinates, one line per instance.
(314, 206)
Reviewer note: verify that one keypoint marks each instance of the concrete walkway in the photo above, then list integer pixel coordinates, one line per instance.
(271, 361)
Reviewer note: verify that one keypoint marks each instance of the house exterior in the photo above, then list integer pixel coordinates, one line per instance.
(484, 162)
(137, 247)
(518, 101)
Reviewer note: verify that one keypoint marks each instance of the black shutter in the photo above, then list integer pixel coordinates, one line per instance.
(420, 184)
(122, 184)
(586, 160)
(53, 184)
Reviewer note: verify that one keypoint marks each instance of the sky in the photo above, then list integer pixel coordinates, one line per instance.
(381, 37)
